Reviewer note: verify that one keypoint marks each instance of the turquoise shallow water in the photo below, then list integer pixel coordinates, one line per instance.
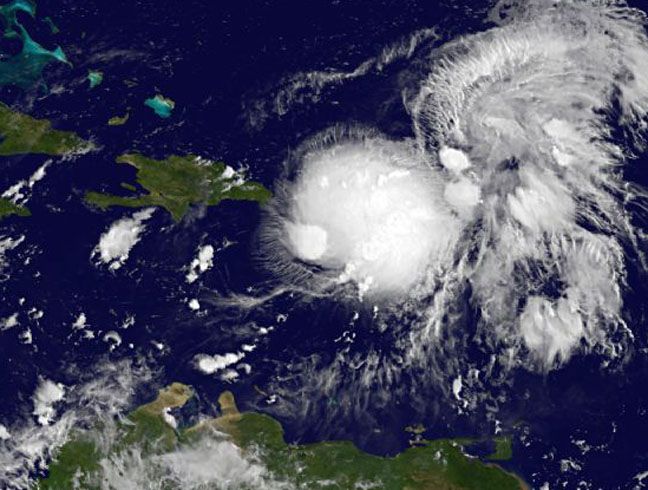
(161, 106)
(25, 68)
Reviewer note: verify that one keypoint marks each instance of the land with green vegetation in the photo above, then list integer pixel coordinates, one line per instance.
(178, 182)
(118, 120)
(503, 449)
(80, 458)
(429, 465)
(22, 134)
(8, 208)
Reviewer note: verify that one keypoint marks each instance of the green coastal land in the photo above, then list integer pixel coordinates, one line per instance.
(430, 465)
(7, 208)
(118, 120)
(178, 182)
(22, 134)
(503, 449)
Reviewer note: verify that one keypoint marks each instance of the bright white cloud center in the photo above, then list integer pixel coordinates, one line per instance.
(514, 206)
(370, 210)
(116, 243)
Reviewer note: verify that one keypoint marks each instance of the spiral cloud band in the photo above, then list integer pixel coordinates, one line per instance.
(512, 188)
(531, 101)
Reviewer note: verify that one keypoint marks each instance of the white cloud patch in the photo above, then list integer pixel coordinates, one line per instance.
(212, 364)
(4, 433)
(366, 210)
(116, 243)
(80, 322)
(9, 322)
(211, 462)
(551, 329)
(203, 262)
(454, 160)
(169, 418)
(106, 393)
(19, 192)
(46, 396)
(463, 195)
(113, 339)
(8, 244)
(26, 336)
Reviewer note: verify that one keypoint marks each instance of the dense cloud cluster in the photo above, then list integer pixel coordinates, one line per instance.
(511, 187)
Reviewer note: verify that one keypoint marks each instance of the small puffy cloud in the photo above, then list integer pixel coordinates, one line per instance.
(47, 394)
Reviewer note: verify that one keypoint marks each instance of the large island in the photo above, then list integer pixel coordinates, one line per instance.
(178, 182)
(22, 134)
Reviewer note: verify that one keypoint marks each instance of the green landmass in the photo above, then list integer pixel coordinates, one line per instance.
(162, 106)
(144, 427)
(23, 134)
(8, 208)
(95, 78)
(178, 182)
(430, 465)
(503, 449)
(118, 120)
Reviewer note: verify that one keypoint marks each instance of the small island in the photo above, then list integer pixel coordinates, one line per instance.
(95, 78)
(503, 449)
(118, 120)
(178, 182)
(22, 134)
(162, 106)
(152, 434)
